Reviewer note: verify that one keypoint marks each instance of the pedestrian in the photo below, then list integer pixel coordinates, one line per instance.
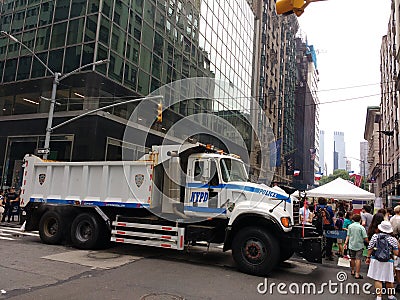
(339, 226)
(389, 214)
(356, 235)
(366, 216)
(395, 222)
(13, 201)
(6, 205)
(311, 215)
(373, 228)
(324, 215)
(304, 213)
(346, 223)
(383, 211)
(380, 262)
(2, 204)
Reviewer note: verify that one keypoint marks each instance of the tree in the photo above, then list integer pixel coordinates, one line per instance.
(336, 174)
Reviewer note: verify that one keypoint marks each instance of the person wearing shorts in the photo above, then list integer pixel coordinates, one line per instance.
(356, 235)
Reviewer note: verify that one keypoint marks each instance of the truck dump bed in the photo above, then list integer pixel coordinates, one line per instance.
(104, 183)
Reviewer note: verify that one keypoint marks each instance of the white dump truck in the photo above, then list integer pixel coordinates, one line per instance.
(174, 197)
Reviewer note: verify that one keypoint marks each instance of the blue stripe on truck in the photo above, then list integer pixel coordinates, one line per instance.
(90, 203)
(205, 209)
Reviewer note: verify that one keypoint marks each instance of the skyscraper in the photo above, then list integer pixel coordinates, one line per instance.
(339, 151)
(148, 44)
(364, 159)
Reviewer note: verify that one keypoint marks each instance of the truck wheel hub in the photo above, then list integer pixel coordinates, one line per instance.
(254, 250)
(84, 231)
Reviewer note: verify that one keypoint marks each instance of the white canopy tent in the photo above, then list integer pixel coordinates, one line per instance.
(342, 190)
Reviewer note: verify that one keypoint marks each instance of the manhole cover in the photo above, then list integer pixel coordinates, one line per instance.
(103, 255)
(161, 296)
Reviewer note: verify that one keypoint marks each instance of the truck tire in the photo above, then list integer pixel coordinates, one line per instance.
(88, 232)
(255, 251)
(51, 228)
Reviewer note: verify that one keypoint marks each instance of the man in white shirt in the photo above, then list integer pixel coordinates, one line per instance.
(304, 213)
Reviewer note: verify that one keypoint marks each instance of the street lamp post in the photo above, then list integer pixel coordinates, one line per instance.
(57, 77)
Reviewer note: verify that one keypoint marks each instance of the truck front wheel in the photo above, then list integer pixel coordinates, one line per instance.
(87, 231)
(255, 251)
(51, 228)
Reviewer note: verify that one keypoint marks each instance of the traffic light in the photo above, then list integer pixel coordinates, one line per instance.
(159, 112)
(287, 7)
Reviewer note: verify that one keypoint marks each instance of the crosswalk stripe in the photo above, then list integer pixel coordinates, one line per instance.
(10, 231)
(6, 238)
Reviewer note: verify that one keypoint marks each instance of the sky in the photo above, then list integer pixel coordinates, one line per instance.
(347, 35)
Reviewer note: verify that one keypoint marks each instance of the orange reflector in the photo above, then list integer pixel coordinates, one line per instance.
(285, 221)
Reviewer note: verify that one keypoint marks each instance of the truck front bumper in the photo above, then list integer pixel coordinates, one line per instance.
(307, 245)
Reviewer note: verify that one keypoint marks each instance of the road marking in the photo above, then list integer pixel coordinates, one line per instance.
(94, 259)
(18, 231)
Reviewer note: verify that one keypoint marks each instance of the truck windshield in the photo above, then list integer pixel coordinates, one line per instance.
(233, 170)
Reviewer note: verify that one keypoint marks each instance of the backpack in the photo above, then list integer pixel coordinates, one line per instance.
(339, 224)
(382, 248)
(322, 218)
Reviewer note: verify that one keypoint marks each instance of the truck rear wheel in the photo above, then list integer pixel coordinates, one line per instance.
(51, 228)
(87, 232)
(255, 251)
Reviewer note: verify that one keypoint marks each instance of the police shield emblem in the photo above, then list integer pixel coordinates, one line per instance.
(139, 178)
(42, 178)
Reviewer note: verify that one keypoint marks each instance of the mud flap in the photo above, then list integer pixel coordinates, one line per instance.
(309, 246)
(310, 249)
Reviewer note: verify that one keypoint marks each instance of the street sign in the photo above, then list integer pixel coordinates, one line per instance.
(43, 151)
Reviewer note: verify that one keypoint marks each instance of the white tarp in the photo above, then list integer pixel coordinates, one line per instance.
(340, 189)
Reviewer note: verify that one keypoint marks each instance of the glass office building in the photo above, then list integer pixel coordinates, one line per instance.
(148, 43)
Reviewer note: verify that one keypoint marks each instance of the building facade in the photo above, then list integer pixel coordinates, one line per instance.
(148, 44)
(322, 168)
(306, 116)
(389, 109)
(372, 136)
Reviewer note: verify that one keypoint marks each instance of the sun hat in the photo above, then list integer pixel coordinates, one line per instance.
(385, 227)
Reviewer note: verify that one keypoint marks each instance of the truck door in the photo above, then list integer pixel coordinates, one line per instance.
(204, 189)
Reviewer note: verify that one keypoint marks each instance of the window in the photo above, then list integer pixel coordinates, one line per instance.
(46, 13)
(75, 31)
(91, 26)
(62, 10)
(58, 35)
(72, 58)
(78, 8)
(198, 170)
(24, 67)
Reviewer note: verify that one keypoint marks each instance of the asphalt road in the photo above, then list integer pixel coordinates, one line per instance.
(32, 270)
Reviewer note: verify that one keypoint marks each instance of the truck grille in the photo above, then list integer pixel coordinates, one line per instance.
(296, 212)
